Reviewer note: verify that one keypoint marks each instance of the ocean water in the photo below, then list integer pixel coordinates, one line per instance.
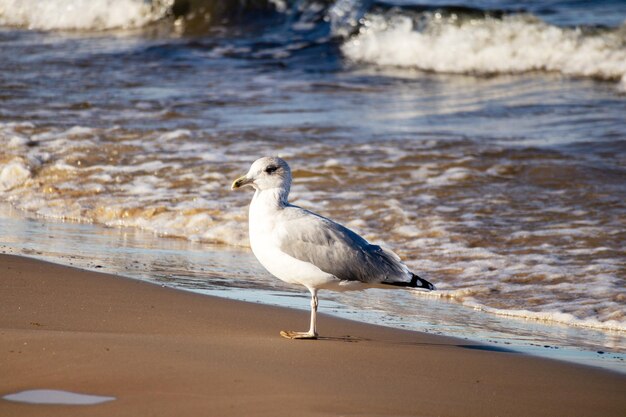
(483, 141)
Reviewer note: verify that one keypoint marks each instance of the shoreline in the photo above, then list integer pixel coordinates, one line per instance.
(233, 274)
(162, 351)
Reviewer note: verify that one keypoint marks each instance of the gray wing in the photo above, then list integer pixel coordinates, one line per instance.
(336, 249)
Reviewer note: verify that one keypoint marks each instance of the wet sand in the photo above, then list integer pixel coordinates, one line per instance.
(162, 352)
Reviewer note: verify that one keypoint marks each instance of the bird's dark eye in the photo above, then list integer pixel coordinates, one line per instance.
(271, 169)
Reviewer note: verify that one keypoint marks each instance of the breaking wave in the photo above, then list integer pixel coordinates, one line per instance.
(444, 39)
(82, 14)
(487, 46)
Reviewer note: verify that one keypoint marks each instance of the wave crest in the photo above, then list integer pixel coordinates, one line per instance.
(511, 44)
(82, 14)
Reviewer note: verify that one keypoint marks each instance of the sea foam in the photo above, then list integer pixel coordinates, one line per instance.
(486, 46)
(81, 14)
(13, 174)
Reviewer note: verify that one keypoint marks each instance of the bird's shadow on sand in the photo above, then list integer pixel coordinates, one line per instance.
(347, 339)
(488, 348)
(354, 339)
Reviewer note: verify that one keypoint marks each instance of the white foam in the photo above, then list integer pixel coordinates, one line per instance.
(175, 135)
(332, 162)
(81, 14)
(450, 176)
(551, 316)
(16, 141)
(280, 5)
(13, 174)
(513, 44)
(160, 181)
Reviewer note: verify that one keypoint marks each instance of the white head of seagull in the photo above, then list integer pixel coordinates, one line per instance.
(267, 173)
(302, 247)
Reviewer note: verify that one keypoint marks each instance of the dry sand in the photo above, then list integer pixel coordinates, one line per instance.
(164, 352)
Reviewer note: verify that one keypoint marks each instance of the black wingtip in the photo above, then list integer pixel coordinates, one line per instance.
(417, 282)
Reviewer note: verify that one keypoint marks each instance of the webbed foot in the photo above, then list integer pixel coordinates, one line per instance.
(288, 334)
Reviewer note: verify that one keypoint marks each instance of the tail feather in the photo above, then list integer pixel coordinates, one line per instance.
(416, 282)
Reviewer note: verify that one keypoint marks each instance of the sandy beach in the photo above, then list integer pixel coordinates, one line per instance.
(163, 352)
(477, 142)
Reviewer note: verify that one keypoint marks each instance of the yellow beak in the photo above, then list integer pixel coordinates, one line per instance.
(240, 182)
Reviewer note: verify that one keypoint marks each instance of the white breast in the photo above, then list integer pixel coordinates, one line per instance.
(264, 241)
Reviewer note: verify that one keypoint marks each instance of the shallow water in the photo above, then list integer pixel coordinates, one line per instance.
(485, 144)
(235, 273)
(52, 396)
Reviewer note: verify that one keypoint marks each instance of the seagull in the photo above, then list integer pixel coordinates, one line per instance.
(302, 247)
